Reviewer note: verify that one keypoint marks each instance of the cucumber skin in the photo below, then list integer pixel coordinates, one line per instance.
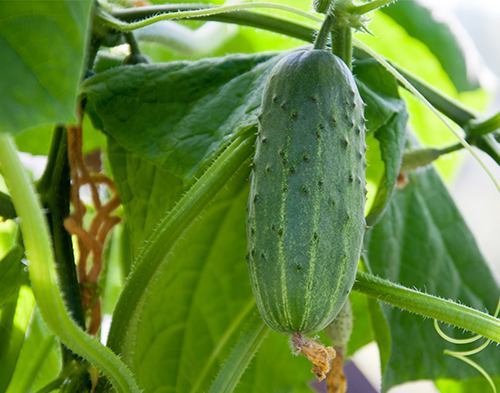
(305, 213)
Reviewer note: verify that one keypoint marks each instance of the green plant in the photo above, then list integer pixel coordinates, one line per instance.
(178, 138)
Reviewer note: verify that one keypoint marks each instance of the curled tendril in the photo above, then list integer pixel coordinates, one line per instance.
(462, 355)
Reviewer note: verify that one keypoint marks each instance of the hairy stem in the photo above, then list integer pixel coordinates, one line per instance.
(243, 18)
(323, 33)
(110, 20)
(342, 40)
(43, 274)
(429, 306)
(54, 190)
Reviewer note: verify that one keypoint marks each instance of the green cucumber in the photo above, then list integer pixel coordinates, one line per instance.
(305, 214)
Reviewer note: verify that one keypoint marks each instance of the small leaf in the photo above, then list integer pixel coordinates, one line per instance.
(42, 45)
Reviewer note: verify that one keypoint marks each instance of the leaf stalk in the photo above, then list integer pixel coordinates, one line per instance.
(429, 306)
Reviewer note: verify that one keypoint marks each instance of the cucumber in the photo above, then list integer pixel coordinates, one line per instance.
(305, 213)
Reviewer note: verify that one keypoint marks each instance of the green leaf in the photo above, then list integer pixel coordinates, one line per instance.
(10, 277)
(175, 133)
(381, 331)
(187, 112)
(39, 361)
(201, 287)
(386, 118)
(7, 210)
(422, 241)
(422, 23)
(159, 246)
(42, 45)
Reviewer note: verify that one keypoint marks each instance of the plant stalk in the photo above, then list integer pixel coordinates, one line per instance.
(342, 40)
(429, 306)
(54, 189)
(326, 27)
(244, 18)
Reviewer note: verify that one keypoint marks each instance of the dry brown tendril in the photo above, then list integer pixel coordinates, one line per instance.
(91, 241)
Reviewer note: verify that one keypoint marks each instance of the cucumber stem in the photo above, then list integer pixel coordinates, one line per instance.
(326, 27)
(134, 47)
(342, 41)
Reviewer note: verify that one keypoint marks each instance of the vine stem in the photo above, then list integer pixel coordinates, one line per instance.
(429, 306)
(44, 277)
(342, 40)
(323, 33)
(112, 22)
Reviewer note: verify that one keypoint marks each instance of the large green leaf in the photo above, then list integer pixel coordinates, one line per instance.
(422, 241)
(42, 45)
(179, 115)
(441, 38)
